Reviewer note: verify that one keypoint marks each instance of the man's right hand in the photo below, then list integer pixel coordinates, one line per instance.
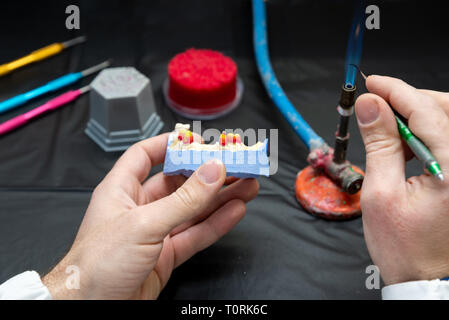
(406, 222)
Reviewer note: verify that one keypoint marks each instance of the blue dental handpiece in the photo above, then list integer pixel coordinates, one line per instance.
(51, 86)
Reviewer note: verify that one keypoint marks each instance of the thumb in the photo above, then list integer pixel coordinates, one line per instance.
(188, 201)
(385, 160)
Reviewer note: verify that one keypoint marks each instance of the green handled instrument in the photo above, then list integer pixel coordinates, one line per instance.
(419, 149)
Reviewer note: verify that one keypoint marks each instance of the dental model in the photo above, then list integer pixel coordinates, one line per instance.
(184, 155)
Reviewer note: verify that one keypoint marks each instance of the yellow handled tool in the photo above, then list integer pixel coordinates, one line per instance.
(38, 55)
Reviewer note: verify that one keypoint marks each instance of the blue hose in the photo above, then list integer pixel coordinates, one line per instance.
(301, 127)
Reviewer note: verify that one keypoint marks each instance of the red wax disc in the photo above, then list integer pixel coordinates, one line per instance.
(320, 196)
(202, 81)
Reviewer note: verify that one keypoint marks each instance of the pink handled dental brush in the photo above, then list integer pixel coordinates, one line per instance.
(53, 104)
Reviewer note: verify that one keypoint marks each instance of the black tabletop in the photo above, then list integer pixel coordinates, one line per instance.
(49, 168)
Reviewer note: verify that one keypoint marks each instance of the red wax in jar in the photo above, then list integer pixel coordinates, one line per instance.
(202, 79)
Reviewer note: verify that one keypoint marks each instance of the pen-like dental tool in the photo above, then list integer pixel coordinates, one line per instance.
(53, 104)
(39, 54)
(51, 86)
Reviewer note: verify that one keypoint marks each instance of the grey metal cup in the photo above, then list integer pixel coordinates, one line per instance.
(122, 109)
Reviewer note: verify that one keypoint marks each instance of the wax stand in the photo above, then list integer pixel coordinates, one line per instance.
(330, 186)
(122, 109)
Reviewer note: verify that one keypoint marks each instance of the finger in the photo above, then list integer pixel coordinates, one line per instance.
(137, 161)
(204, 234)
(244, 189)
(385, 163)
(230, 180)
(403, 97)
(188, 201)
(442, 98)
(160, 185)
(425, 118)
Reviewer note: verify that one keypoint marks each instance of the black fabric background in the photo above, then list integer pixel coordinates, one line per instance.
(49, 168)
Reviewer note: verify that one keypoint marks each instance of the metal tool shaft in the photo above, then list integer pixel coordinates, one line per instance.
(95, 68)
(75, 41)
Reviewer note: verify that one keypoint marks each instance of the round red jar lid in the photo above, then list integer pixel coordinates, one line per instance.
(202, 82)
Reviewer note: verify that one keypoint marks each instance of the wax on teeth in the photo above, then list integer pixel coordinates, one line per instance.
(223, 139)
(188, 137)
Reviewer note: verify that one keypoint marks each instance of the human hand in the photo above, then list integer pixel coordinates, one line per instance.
(406, 223)
(135, 232)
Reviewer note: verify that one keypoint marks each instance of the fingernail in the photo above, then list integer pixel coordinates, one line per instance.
(210, 172)
(367, 113)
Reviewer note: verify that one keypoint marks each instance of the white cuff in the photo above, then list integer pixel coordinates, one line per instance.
(417, 290)
(25, 286)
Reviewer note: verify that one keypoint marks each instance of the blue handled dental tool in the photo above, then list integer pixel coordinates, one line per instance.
(51, 86)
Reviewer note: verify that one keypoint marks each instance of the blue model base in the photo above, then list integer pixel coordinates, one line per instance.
(239, 164)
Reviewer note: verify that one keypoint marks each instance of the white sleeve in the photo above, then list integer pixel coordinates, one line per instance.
(417, 290)
(25, 286)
